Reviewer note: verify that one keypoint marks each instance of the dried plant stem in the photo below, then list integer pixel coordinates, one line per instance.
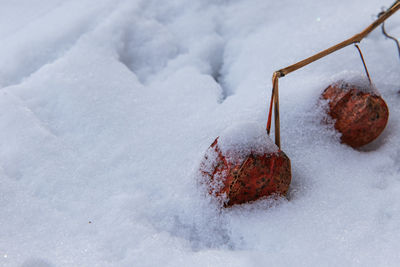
(391, 38)
(275, 77)
(283, 72)
(353, 40)
(363, 61)
(276, 112)
(274, 102)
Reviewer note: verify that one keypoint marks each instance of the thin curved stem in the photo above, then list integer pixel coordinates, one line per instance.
(391, 37)
(363, 61)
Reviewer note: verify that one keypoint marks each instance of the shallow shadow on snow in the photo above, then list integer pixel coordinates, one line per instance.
(202, 236)
(36, 262)
(375, 145)
(217, 66)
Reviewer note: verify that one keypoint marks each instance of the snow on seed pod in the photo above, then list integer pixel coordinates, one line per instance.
(359, 112)
(243, 165)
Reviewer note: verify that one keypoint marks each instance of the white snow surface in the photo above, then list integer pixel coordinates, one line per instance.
(243, 138)
(347, 80)
(107, 108)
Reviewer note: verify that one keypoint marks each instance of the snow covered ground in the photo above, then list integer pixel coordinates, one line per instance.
(107, 107)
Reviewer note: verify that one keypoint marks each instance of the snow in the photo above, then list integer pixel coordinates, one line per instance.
(347, 80)
(244, 138)
(235, 145)
(107, 108)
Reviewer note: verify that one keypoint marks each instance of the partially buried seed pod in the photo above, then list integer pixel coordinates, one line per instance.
(243, 165)
(360, 113)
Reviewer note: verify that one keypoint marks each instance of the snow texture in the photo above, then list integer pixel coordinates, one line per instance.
(242, 139)
(348, 80)
(107, 108)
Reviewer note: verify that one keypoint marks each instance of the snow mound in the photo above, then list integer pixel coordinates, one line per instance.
(235, 144)
(244, 138)
(347, 80)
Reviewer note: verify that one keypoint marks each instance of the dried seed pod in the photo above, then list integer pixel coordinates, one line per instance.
(238, 172)
(359, 112)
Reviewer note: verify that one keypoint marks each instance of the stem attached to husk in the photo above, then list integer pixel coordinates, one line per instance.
(365, 65)
(283, 72)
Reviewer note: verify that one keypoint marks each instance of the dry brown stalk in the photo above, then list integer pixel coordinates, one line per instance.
(283, 72)
(365, 65)
(391, 38)
(276, 112)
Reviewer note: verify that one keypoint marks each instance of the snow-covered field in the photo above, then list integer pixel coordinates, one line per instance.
(107, 107)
